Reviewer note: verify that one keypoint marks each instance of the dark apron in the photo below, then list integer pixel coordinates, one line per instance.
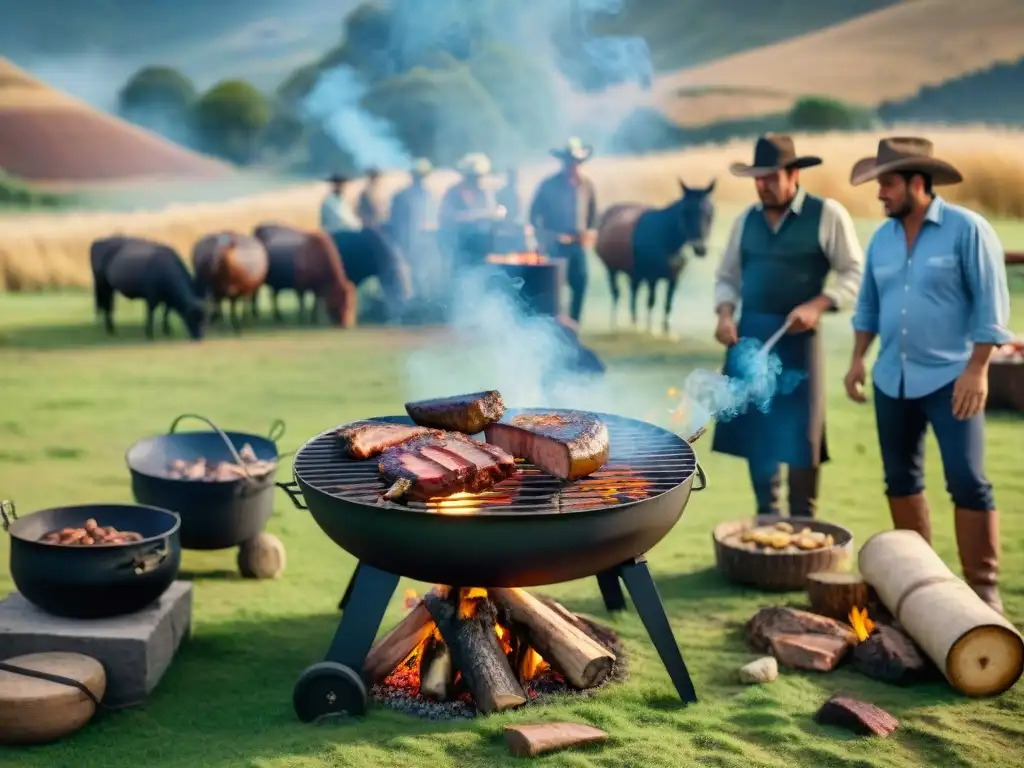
(792, 432)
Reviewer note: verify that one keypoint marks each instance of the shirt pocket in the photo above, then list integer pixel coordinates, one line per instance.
(940, 272)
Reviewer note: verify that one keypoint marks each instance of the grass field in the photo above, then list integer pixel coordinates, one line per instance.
(73, 401)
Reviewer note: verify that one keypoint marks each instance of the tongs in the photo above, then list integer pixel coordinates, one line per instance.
(774, 338)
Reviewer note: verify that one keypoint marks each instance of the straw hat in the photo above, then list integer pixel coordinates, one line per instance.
(773, 152)
(574, 150)
(474, 164)
(421, 166)
(905, 153)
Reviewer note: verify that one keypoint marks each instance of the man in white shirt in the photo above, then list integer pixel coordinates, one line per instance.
(336, 212)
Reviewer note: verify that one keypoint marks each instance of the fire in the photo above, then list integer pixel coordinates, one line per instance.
(518, 259)
(861, 624)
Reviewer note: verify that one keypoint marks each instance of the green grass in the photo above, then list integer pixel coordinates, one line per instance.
(73, 401)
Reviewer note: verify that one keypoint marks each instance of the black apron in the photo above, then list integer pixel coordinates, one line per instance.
(792, 432)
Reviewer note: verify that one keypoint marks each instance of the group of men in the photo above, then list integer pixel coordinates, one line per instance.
(932, 289)
(473, 220)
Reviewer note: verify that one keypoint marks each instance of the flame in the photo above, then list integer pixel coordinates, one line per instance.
(518, 259)
(861, 624)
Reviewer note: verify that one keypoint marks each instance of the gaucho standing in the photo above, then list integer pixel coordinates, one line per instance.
(468, 213)
(935, 294)
(564, 216)
(774, 268)
(411, 215)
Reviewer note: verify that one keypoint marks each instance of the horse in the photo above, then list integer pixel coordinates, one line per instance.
(647, 244)
(229, 265)
(143, 269)
(370, 253)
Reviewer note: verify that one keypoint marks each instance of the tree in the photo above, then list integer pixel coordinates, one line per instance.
(161, 99)
(821, 113)
(230, 118)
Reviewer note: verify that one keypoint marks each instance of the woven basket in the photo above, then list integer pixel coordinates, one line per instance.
(1006, 386)
(783, 571)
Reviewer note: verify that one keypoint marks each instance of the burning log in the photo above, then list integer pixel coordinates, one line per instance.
(392, 649)
(584, 662)
(890, 656)
(834, 593)
(437, 674)
(857, 716)
(477, 652)
(533, 740)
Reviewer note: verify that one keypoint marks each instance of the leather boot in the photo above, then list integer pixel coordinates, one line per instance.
(910, 513)
(977, 538)
(803, 492)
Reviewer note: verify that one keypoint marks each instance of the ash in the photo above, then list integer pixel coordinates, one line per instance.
(393, 694)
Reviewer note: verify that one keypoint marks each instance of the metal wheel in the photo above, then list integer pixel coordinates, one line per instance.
(328, 688)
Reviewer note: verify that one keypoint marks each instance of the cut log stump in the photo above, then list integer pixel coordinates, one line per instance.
(857, 716)
(815, 653)
(533, 740)
(834, 593)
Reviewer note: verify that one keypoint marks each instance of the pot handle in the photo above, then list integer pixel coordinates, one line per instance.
(150, 561)
(7, 513)
(276, 431)
(227, 442)
(294, 493)
(702, 477)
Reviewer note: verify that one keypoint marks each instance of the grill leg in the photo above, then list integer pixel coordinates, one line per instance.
(348, 590)
(371, 592)
(648, 604)
(611, 590)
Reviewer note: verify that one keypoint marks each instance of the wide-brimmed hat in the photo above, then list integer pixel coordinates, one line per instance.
(474, 164)
(337, 178)
(773, 152)
(421, 166)
(574, 150)
(904, 153)
(372, 172)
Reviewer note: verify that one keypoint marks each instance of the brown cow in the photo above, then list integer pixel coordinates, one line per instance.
(319, 269)
(229, 265)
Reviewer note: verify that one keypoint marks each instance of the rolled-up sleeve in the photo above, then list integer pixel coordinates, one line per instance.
(838, 239)
(866, 315)
(728, 275)
(984, 268)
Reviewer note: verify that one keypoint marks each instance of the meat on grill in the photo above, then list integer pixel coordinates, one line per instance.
(366, 439)
(565, 445)
(461, 413)
(440, 464)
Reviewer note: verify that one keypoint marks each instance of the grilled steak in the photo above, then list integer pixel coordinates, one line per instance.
(440, 464)
(365, 439)
(565, 445)
(461, 413)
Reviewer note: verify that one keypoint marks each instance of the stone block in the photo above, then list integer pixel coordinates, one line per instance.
(135, 649)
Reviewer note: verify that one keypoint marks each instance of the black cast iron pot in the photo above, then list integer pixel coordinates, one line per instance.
(214, 514)
(99, 580)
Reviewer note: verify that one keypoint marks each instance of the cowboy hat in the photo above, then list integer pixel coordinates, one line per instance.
(574, 149)
(474, 164)
(773, 152)
(904, 153)
(337, 178)
(421, 166)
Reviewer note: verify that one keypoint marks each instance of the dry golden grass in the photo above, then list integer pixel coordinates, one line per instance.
(52, 250)
(885, 55)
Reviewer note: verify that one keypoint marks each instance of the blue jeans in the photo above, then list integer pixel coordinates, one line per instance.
(902, 423)
(766, 477)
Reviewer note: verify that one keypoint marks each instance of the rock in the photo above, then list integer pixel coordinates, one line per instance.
(538, 739)
(764, 670)
(781, 620)
(857, 716)
(816, 653)
(261, 557)
(890, 656)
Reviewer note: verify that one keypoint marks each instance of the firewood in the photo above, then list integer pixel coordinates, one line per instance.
(582, 661)
(835, 593)
(890, 656)
(533, 740)
(780, 620)
(977, 649)
(437, 675)
(391, 650)
(857, 716)
(816, 653)
(565, 613)
(477, 653)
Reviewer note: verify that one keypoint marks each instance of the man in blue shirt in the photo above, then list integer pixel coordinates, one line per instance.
(935, 294)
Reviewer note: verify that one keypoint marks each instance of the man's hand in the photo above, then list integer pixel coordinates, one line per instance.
(806, 316)
(970, 392)
(588, 238)
(565, 239)
(854, 381)
(726, 333)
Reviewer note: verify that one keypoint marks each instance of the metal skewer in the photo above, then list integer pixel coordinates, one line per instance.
(774, 338)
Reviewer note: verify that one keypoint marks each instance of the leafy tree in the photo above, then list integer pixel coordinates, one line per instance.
(821, 113)
(161, 99)
(230, 118)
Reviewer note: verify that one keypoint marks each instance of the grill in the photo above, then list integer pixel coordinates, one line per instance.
(529, 530)
(542, 278)
(645, 462)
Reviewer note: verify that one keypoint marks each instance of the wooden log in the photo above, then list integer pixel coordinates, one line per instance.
(781, 620)
(391, 650)
(890, 656)
(565, 613)
(582, 661)
(533, 740)
(858, 716)
(979, 652)
(477, 653)
(816, 653)
(835, 593)
(437, 674)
